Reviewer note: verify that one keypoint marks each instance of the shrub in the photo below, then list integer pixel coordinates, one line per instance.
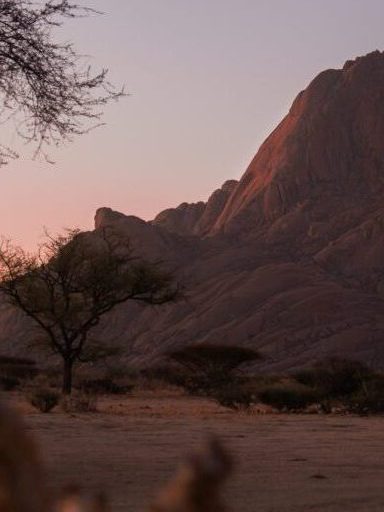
(209, 368)
(209, 358)
(166, 373)
(335, 378)
(106, 385)
(79, 402)
(369, 399)
(172, 375)
(233, 397)
(17, 368)
(44, 399)
(229, 390)
(16, 360)
(289, 396)
(9, 383)
(118, 372)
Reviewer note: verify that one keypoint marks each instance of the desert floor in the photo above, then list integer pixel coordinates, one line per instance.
(283, 462)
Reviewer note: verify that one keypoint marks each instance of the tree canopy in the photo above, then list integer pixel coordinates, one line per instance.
(72, 282)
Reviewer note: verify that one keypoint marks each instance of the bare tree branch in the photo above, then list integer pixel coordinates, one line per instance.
(44, 85)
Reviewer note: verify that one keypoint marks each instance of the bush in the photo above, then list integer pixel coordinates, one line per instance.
(79, 402)
(230, 390)
(233, 397)
(210, 358)
(335, 378)
(168, 374)
(289, 396)
(9, 383)
(207, 369)
(106, 385)
(121, 372)
(17, 368)
(369, 399)
(44, 399)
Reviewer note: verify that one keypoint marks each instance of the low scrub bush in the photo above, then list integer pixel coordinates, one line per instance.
(200, 384)
(228, 390)
(16, 360)
(118, 372)
(105, 385)
(167, 375)
(351, 384)
(207, 369)
(79, 402)
(335, 378)
(17, 368)
(369, 399)
(233, 397)
(42, 381)
(213, 359)
(193, 382)
(44, 399)
(9, 383)
(288, 396)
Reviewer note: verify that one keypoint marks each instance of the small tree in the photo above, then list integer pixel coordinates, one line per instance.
(211, 367)
(72, 282)
(44, 86)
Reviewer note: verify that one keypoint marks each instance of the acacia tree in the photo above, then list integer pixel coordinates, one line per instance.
(211, 367)
(44, 85)
(72, 282)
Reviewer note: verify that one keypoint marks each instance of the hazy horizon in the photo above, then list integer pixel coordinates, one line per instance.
(207, 83)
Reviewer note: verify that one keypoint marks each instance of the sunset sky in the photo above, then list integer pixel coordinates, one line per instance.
(208, 80)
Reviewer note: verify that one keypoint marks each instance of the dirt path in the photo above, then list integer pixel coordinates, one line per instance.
(284, 463)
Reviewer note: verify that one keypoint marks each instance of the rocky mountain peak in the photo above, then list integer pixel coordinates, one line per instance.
(330, 143)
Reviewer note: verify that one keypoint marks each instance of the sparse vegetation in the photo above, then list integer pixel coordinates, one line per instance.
(44, 399)
(369, 399)
(16, 370)
(212, 371)
(170, 374)
(9, 383)
(233, 397)
(288, 396)
(331, 385)
(105, 386)
(335, 378)
(209, 370)
(79, 401)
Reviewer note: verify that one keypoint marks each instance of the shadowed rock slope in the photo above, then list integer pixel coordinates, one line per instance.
(290, 259)
(196, 218)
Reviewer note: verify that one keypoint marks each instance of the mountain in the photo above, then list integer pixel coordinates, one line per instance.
(290, 259)
(326, 154)
(196, 218)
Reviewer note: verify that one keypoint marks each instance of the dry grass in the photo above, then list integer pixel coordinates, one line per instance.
(286, 463)
(195, 488)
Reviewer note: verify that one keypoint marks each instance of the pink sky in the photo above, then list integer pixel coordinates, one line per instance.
(208, 81)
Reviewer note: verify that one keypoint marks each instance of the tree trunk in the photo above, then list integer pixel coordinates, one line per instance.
(67, 377)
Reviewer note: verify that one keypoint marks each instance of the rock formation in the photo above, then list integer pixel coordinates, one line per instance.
(289, 260)
(196, 218)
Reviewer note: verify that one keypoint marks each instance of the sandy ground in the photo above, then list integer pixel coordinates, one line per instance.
(283, 462)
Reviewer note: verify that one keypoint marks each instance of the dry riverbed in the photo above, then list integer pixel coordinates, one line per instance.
(283, 462)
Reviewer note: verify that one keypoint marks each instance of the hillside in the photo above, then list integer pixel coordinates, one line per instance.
(290, 259)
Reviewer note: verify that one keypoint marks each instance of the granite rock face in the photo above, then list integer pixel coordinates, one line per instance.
(290, 259)
(197, 218)
(329, 146)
